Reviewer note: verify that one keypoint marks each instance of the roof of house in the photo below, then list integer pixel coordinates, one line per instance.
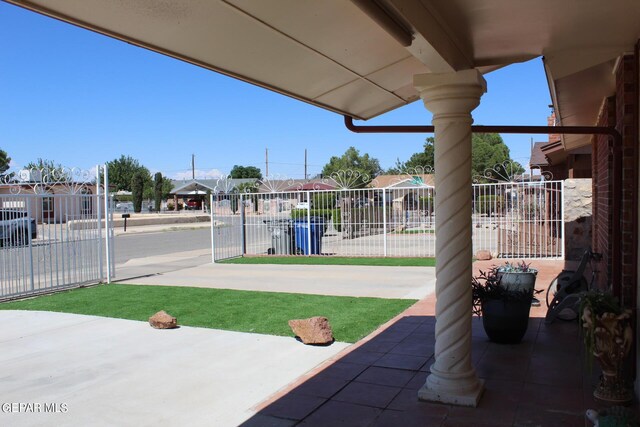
(289, 184)
(220, 185)
(308, 186)
(538, 158)
(402, 180)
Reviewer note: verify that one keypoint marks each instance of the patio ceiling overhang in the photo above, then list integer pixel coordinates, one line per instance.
(358, 58)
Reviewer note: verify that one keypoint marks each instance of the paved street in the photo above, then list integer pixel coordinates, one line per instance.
(139, 254)
(138, 245)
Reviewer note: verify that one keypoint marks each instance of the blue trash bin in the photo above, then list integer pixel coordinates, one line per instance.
(302, 235)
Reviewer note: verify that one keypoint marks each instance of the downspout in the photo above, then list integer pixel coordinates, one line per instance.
(616, 137)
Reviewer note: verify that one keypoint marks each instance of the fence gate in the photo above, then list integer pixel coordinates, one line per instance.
(519, 219)
(52, 231)
(228, 224)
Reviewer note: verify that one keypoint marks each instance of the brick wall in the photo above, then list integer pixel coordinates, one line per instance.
(602, 159)
(620, 111)
(551, 121)
(626, 123)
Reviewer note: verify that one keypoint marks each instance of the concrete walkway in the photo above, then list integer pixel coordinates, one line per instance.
(159, 228)
(114, 372)
(341, 280)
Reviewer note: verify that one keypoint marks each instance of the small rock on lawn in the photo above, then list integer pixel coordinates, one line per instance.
(162, 320)
(315, 330)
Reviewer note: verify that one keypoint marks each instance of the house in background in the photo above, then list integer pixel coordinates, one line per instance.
(574, 168)
(52, 203)
(552, 157)
(191, 193)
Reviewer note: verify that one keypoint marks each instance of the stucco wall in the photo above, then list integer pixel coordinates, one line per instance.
(577, 217)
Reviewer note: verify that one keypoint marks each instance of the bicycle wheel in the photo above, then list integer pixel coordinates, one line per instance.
(552, 290)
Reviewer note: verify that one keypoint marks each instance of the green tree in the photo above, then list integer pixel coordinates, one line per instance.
(238, 172)
(357, 169)
(137, 188)
(5, 162)
(249, 187)
(167, 187)
(207, 199)
(246, 187)
(488, 152)
(423, 160)
(51, 172)
(122, 170)
(157, 186)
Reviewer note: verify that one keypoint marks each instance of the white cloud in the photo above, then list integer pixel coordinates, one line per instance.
(200, 174)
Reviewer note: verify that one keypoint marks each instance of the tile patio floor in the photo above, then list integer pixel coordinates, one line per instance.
(540, 382)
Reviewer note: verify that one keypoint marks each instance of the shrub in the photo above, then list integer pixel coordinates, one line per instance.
(137, 187)
(170, 206)
(157, 191)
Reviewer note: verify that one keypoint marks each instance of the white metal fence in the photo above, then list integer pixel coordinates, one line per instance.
(519, 219)
(52, 238)
(510, 220)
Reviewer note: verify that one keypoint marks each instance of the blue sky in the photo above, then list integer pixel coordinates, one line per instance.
(81, 99)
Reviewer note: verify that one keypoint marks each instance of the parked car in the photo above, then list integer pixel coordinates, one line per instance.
(16, 228)
(124, 207)
(193, 204)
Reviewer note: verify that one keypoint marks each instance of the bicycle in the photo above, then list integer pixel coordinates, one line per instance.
(563, 294)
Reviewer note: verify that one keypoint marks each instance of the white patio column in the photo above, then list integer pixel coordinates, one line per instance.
(451, 97)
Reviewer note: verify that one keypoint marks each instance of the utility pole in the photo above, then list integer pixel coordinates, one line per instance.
(193, 167)
(266, 161)
(305, 164)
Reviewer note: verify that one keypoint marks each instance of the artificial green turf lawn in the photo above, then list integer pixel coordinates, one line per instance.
(246, 311)
(328, 260)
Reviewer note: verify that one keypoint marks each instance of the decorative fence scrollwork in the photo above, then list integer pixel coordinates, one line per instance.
(419, 176)
(509, 171)
(59, 180)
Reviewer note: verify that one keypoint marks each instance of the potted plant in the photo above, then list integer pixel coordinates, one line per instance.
(607, 333)
(517, 276)
(504, 309)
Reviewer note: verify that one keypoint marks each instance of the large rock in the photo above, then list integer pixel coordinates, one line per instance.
(315, 330)
(483, 255)
(162, 320)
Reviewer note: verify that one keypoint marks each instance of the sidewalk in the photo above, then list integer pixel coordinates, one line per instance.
(340, 280)
(159, 228)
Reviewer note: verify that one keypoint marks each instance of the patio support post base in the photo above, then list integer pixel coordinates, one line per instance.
(435, 393)
(451, 97)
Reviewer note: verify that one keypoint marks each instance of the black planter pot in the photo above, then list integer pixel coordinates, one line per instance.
(505, 321)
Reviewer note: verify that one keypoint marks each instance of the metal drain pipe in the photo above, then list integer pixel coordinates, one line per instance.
(616, 137)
